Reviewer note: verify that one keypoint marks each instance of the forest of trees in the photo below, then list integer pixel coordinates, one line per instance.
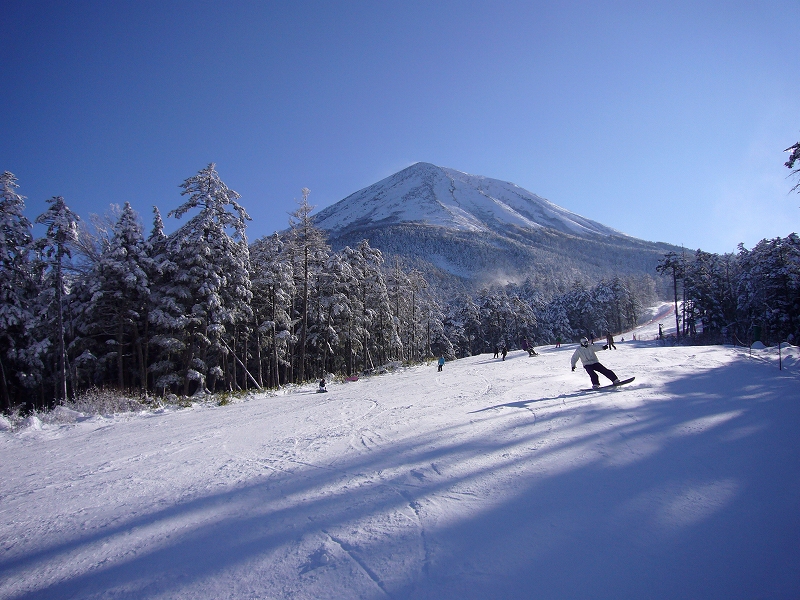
(743, 297)
(203, 309)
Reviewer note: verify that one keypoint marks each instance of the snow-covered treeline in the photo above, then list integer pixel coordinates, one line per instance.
(749, 295)
(504, 316)
(465, 262)
(198, 309)
(202, 308)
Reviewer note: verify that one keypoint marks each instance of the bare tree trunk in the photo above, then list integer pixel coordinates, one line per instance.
(245, 362)
(677, 316)
(305, 318)
(275, 356)
(62, 362)
(120, 367)
(258, 358)
(235, 376)
(189, 358)
(146, 344)
(140, 354)
(4, 388)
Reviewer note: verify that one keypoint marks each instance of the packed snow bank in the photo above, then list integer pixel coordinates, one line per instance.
(490, 479)
(32, 422)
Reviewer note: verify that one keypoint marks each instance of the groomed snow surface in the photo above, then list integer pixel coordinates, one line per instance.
(490, 479)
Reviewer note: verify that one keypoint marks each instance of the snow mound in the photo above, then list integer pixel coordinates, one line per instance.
(62, 414)
(758, 346)
(5, 424)
(32, 422)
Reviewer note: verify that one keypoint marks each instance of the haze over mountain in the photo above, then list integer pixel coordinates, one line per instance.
(477, 230)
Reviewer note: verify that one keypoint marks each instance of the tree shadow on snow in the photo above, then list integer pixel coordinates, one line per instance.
(692, 494)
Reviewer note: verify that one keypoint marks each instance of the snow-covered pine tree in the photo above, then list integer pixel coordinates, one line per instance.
(710, 281)
(673, 265)
(524, 320)
(557, 319)
(490, 317)
(308, 249)
(465, 327)
(211, 284)
(606, 312)
(579, 306)
(120, 297)
(20, 363)
(338, 298)
(379, 334)
(416, 338)
(638, 288)
(61, 234)
(437, 341)
(769, 288)
(402, 297)
(157, 236)
(341, 294)
(794, 158)
(320, 331)
(166, 315)
(273, 289)
(154, 248)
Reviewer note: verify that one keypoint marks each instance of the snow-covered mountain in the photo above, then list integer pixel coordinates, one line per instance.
(429, 195)
(465, 231)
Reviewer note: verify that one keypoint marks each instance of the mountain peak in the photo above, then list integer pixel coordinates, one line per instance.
(426, 194)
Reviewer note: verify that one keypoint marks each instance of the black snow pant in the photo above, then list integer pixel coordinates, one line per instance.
(596, 368)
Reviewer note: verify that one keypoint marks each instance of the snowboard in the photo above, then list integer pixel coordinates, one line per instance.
(610, 386)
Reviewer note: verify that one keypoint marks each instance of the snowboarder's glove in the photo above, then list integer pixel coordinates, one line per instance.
(605, 347)
(573, 367)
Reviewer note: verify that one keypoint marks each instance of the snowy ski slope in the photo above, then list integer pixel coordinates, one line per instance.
(489, 480)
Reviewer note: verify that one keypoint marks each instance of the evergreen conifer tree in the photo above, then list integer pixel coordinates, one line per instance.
(121, 296)
(309, 251)
(55, 247)
(20, 366)
(211, 279)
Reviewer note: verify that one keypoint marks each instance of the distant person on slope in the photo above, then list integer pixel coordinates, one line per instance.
(440, 362)
(610, 340)
(589, 361)
(528, 347)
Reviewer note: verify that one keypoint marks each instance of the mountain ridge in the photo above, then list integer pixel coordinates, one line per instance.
(467, 231)
(428, 194)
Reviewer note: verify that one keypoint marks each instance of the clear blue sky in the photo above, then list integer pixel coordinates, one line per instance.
(666, 120)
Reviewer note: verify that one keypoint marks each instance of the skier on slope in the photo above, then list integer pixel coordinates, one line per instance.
(589, 361)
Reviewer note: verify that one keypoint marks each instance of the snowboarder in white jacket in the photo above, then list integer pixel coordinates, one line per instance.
(589, 361)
